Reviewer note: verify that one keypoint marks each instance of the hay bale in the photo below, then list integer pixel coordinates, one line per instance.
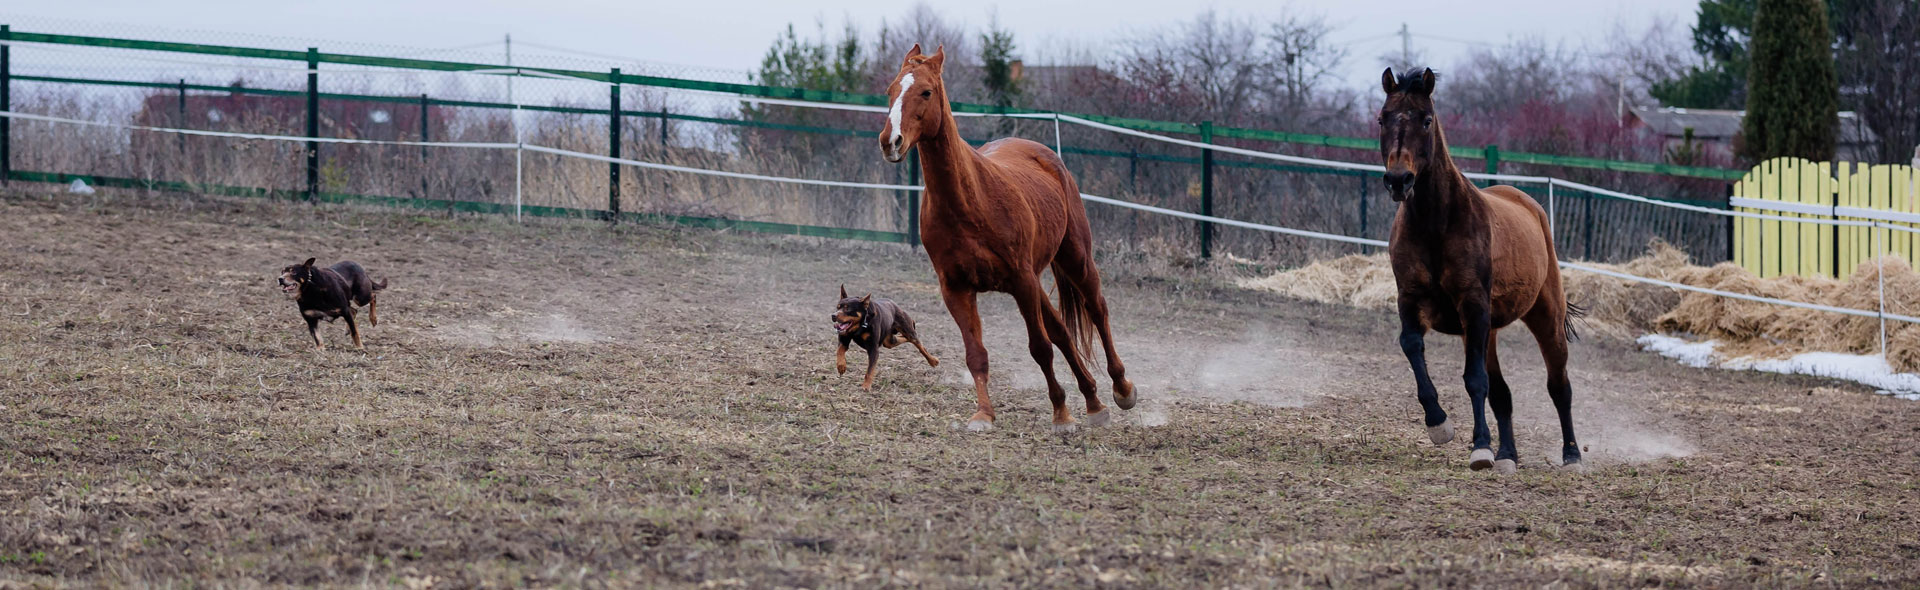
(1334, 281)
(1618, 308)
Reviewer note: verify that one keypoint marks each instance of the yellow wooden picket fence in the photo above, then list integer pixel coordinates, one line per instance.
(1797, 188)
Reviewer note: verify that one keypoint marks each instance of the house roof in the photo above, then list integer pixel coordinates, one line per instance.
(1716, 124)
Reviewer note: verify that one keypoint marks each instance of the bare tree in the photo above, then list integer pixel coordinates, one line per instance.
(1494, 79)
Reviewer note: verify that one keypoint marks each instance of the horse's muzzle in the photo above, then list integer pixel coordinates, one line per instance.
(890, 148)
(1399, 184)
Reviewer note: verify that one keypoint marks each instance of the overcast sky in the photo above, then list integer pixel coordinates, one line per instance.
(733, 34)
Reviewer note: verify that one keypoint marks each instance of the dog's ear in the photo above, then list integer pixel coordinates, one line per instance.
(308, 263)
(866, 300)
(843, 291)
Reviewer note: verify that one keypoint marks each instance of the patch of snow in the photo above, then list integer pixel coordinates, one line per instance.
(1698, 355)
(1869, 370)
(79, 187)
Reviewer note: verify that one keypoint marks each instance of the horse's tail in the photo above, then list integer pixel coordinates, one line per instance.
(1573, 311)
(1073, 312)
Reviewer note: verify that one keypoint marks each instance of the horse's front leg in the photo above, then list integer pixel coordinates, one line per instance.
(962, 305)
(1413, 342)
(1476, 319)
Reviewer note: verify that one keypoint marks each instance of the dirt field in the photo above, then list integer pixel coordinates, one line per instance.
(564, 404)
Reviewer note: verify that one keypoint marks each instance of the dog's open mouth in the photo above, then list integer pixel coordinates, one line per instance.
(842, 327)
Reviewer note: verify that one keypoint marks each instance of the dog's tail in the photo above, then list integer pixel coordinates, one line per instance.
(379, 285)
(1073, 312)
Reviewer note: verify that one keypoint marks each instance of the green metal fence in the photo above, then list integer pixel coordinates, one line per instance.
(1095, 160)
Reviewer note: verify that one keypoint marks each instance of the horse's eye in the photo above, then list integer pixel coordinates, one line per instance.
(1427, 122)
(926, 93)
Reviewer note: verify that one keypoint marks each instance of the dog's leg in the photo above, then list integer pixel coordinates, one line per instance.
(373, 310)
(873, 365)
(313, 330)
(931, 361)
(352, 328)
(840, 358)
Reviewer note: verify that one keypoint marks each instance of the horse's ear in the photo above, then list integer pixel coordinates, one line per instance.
(1426, 82)
(843, 291)
(1387, 82)
(939, 57)
(308, 263)
(913, 53)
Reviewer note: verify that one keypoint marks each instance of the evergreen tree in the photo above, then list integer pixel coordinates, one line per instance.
(1793, 93)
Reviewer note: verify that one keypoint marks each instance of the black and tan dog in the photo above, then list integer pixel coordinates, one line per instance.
(331, 292)
(872, 323)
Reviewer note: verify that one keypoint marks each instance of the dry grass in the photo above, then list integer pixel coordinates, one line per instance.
(564, 404)
(1622, 309)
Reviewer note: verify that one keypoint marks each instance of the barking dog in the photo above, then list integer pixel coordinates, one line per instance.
(331, 292)
(872, 323)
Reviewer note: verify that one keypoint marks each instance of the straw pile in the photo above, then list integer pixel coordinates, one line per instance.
(1624, 309)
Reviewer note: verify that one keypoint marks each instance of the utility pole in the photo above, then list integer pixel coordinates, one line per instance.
(1406, 47)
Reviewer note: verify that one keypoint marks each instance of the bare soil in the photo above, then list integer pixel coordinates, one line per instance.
(562, 403)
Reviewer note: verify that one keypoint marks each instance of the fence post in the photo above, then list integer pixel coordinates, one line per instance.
(913, 198)
(613, 147)
(313, 123)
(1493, 160)
(663, 126)
(180, 120)
(1206, 191)
(6, 102)
(1586, 219)
(1363, 178)
(423, 149)
(1133, 165)
(1732, 246)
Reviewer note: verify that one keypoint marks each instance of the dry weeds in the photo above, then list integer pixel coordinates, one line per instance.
(162, 423)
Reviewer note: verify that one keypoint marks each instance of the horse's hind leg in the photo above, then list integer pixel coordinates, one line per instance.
(1057, 331)
(1034, 309)
(966, 314)
(1505, 459)
(1413, 342)
(1549, 327)
(1078, 264)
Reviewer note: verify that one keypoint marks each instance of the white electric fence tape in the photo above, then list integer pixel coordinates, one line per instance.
(1551, 182)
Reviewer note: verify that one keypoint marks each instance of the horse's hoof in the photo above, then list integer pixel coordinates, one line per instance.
(1441, 434)
(1576, 466)
(1505, 466)
(1100, 418)
(1123, 394)
(1066, 428)
(1480, 459)
(979, 426)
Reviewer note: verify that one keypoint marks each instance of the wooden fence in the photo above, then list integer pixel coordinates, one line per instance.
(1822, 192)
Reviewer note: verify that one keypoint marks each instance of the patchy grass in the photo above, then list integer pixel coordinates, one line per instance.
(563, 403)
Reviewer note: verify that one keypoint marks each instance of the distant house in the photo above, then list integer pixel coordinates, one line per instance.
(286, 115)
(1055, 77)
(1713, 131)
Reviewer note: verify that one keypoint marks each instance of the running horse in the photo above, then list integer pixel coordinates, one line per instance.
(1469, 261)
(992, 220)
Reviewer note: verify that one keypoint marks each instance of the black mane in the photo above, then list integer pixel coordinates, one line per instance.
(1411, 81)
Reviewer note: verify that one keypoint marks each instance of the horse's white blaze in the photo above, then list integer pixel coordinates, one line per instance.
(893, 116)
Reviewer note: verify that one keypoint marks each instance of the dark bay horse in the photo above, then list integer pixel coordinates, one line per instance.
(1468, 262)
(993, 220)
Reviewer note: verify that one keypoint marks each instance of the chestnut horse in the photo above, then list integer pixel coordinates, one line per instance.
(993, 220)
(1468, 262)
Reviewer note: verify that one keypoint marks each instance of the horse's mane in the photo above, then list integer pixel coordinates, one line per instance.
(1412, 81)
